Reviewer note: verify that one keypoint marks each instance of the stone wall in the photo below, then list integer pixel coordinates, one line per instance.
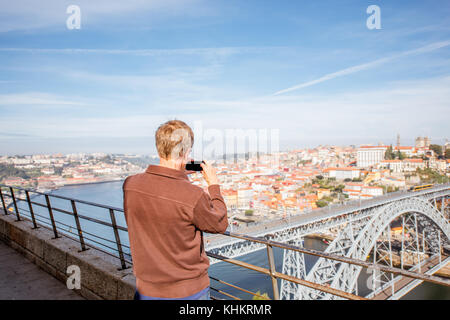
(100, 274)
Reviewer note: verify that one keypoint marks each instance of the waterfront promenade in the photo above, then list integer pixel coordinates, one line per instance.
(20, 279)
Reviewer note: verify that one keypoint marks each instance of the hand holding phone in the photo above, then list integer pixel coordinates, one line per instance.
(209, 173)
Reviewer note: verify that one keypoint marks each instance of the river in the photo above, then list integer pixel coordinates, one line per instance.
(111, 194)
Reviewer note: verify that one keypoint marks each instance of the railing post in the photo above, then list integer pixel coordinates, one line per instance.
(15, 203)
(31, 210)
(276, 294)
(417, 240)
(375, 273)
(423, 242)
(77, 221)
(3, 201)
(50, 212)
(116, 234)
(390, 258)
(403, 242)
(440, 248)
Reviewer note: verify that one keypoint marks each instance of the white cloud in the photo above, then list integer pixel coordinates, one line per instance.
(206, 52)
(38, 99)
(32, 14)
(410, 108)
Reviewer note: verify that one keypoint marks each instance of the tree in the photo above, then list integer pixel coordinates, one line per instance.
(391, 189)
(400, 155)
(447, 153)
(389, 154)
(321, 203)
(248, 212)
(437, 149)
(58, 170)
(261, 296)
(428, 175)
(10, 171)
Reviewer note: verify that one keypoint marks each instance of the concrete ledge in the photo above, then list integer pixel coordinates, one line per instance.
(100, 274)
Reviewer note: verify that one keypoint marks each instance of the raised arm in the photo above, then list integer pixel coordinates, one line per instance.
(210, 212)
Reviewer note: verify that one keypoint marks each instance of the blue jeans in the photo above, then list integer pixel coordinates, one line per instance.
(201, 295)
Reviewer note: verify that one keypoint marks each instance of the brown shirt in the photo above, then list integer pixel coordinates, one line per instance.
(166, 215)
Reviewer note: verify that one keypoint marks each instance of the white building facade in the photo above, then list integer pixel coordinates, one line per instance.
(370, 156)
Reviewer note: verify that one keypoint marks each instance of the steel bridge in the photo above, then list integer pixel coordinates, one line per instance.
(362, 228)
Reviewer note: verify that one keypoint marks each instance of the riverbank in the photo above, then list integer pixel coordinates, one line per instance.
(88, 183)
(108, 180)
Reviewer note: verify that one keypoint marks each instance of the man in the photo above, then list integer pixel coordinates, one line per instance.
(166, 216)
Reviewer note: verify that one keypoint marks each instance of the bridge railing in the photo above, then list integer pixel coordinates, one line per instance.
(102, 227)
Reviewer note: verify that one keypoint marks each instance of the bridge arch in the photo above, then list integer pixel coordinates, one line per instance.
(344, 276)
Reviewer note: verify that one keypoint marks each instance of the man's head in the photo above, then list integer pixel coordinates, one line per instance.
(174, 140)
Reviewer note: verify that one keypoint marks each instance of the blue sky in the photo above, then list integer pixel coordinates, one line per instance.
(311, 69)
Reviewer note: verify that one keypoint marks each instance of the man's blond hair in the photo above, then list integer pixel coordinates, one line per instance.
(173, 139)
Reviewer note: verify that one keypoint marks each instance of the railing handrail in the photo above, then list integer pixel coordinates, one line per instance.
(66, 198)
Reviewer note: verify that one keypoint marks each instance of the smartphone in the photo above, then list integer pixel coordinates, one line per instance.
(194, 166)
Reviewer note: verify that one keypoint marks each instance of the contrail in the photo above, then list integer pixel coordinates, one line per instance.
(365, 66)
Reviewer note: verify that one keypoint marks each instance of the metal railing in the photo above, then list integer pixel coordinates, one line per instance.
(114, 245)
(70, 222)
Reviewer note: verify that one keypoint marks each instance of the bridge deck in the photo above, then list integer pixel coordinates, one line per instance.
(20, 279)
(403, 282)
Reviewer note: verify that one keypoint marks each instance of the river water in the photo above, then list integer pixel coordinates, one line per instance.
(111, 194)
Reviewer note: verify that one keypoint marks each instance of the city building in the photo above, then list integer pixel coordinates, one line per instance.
(244, 197)
(230, 197)
(370, 156)
(410, 165)
(393, 165)
(342, 173)
(408, 151)
(393, 182)
(373, 191)
(423, 142)
(323, 193)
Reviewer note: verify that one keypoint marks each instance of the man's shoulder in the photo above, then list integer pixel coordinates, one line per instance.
(130, 180)
(141, 179)
(182, 192)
